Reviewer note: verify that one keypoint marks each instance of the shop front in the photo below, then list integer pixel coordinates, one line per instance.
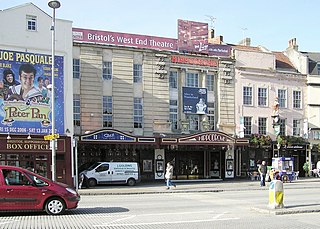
(206, 155)
(34, 154)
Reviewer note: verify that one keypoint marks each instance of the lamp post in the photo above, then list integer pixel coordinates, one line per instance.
(54, 4)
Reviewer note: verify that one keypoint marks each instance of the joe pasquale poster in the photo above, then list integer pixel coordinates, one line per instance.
(25, 93)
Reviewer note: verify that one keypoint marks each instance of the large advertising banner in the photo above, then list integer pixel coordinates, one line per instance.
(25, 93)
(194, 100)
(192, 36)
(124, 39)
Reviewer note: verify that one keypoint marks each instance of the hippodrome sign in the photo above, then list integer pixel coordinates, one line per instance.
(208, 137)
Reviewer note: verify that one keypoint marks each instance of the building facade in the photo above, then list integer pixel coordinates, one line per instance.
(157, 97)
(25, 53)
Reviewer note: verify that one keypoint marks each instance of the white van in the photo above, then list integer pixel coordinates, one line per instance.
(113, 173)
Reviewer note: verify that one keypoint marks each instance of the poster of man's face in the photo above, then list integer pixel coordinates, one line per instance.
(25, 104)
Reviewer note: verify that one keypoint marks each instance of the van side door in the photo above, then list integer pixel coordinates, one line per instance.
(103, 173)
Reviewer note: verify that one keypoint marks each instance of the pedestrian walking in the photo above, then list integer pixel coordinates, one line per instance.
(83, 181)
(168, 175)
(262, 169)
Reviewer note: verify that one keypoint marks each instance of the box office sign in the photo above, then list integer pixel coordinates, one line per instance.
(25, 93)
(25, 145)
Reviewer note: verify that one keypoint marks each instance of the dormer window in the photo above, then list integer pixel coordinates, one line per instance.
(31, 23)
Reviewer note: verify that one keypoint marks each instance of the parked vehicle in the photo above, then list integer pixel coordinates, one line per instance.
(284, 166)
(21, 189)
(113, 173)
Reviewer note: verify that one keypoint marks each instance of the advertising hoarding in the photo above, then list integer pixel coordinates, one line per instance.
(192, 36)
(194, 100)
(25, 93)
(123, 39)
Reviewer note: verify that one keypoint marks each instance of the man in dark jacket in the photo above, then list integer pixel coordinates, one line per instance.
(263, 171)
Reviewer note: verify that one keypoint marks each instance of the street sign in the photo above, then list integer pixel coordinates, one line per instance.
(51, 136)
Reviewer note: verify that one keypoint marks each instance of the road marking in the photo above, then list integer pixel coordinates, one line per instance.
(7, 222)
(215, 218)
(160, 223)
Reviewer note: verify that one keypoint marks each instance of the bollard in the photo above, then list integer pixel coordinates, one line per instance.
(276, 194)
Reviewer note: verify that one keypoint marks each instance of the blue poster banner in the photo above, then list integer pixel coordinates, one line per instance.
(25, 93)
(194, 100)
(108, 135)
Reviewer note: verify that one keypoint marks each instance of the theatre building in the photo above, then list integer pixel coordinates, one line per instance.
(152, 100)
(25, 46)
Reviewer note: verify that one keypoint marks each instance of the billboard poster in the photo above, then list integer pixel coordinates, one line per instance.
(25, 93)
(192, 36)
(219, 50)
(194, 100)
(124, 39)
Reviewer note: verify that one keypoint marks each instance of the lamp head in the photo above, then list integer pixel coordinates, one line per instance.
(54, 4)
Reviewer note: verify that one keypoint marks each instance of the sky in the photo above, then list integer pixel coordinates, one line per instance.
(269, 23)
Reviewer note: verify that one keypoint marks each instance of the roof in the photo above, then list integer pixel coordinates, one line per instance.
(282, 61)
(246, 48)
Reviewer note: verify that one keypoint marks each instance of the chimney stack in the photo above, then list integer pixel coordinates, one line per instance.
(293, 44)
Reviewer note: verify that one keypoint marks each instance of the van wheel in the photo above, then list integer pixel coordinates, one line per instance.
(131, 182)
(55, 206)
(92, 182)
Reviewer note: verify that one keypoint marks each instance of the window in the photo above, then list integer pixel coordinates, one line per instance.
(192, 79)
(137, 112)
(107, 111)
(76, 110)
(210, 82)
(31, 23)
(296, 127)
(14, 177)
(106, 70)
(247, 122)
(210, 115)
(173, 80)
(174, 114)
(247, 95)
(282, 98)
(262, 97)
(193, 122)
(262, 126)
(318, 68)
(137, 73)
(76, 68)
(282, 127)
(297, 99)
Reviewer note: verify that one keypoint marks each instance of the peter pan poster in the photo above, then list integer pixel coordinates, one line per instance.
(26, 93)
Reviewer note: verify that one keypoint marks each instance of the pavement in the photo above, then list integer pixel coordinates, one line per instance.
(212, 185)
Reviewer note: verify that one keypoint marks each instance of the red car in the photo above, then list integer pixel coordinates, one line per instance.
(21, 189)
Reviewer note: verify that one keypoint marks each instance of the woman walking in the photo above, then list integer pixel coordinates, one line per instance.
(169, 174)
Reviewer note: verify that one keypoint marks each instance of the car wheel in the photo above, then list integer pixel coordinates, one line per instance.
(131, 182)
(92, 182)
(55, 206)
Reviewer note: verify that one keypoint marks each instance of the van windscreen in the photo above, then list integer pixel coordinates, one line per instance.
(93, 166)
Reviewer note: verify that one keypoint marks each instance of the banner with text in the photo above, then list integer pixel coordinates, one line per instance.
(124, 39)
(194, 100)
(25, 93)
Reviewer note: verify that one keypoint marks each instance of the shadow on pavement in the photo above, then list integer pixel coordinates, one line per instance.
(301, 205)
(96, 210)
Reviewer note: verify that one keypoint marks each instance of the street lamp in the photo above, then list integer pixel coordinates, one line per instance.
(54, 4)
